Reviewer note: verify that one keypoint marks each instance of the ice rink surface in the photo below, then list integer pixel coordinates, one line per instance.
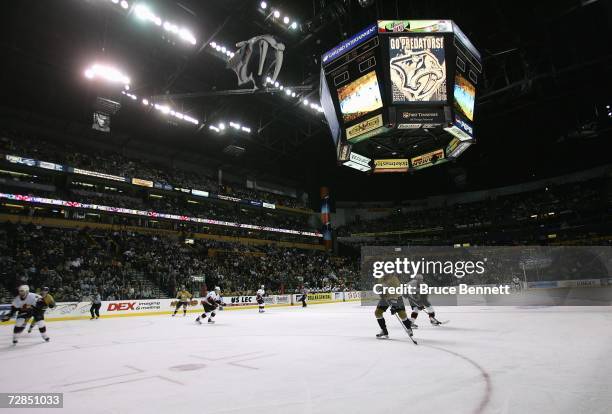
(322, 359)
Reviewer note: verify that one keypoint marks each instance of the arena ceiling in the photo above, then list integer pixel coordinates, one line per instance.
(541, 110)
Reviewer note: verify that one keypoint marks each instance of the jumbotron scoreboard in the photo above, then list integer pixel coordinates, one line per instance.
(399, 95)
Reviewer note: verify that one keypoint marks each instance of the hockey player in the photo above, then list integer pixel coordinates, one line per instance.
(41, 306)
(396, 303)
(183, 297)
(304, 297)
(516, 282)
(23, 305)
(96, 304)
(210, 302)
(420, 302)
(260, 299)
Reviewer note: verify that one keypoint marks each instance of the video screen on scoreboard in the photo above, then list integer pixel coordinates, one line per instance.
(360, 97)
(465, 95)
(418, 69)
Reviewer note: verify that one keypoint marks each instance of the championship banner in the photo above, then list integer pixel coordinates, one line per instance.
(391, 165)
(418, 69)
(426, 160)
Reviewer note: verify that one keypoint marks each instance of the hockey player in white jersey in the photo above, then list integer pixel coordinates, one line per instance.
(211, 302)
(420, 302)
(23, 305)
(260, 299)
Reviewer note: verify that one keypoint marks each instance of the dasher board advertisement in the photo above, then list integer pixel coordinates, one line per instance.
(418, 69)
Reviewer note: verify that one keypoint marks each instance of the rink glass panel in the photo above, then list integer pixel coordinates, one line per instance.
(492, 275)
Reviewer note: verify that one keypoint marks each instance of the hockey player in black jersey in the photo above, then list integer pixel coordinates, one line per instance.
(38, 313)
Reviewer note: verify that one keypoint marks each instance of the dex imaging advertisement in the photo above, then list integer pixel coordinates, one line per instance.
(359, 97)
(418, 69)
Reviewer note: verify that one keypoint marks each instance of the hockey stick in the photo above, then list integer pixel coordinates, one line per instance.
(405, 329)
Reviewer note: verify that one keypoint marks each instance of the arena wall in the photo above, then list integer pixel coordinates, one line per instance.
(119, 308)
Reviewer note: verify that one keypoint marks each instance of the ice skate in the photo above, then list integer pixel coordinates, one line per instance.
(382, 335)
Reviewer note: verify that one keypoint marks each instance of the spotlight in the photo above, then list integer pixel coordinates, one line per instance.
(293, 94)
(221, 125)
(213, 45)
(142, 12)
(305, 101)
(214, 128)
(293, 25)
(286, 20)
(276, 14)
(124, 4)
(223, 49)
(263, 5)
(145, 101)
(276, 84)
(89, 74)
(288, 91)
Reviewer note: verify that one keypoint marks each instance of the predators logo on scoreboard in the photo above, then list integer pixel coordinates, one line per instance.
(418, 69)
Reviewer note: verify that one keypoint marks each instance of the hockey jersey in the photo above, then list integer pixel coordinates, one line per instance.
(45, 302)
(260, 293)
(211, 299)
(25, 304)
(183, 296)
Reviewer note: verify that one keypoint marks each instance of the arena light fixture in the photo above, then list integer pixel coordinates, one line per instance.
(164, 109)
(263, 5)
(221, 126)
(286, 19)
(144, 13)
(276, 14)
(107, 73)
(222, 50)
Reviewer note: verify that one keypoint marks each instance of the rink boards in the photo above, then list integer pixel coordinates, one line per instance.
(118, 308)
